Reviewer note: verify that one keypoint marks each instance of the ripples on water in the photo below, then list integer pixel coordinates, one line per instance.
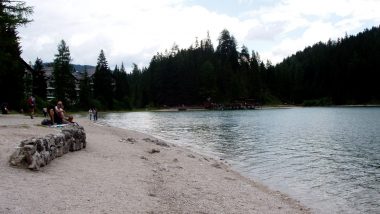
(328, 158)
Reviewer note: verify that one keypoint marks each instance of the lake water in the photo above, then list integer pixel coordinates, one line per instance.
(328, 158)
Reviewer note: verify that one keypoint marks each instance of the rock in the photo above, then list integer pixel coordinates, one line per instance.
(147, 140)
(152, 195)
(30, 149)
(190, 156)
(157, 142)
(34, 153)
(128, 140)
(131, 140)
(154, 151)
(18, 157)
(216, 165)
(161, 143)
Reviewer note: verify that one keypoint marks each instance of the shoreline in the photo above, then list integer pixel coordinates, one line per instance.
(123, 171)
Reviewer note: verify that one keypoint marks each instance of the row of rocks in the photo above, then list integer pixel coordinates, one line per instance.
(34, 153)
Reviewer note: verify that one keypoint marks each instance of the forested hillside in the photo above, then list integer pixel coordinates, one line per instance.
(346, 71)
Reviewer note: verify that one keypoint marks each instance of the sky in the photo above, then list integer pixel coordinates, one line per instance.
(133, 31)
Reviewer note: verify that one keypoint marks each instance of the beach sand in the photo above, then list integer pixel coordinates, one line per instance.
(123, 171)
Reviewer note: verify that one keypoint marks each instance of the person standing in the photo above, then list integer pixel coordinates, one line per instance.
(95, 113)
(90, 112)
(32, 105)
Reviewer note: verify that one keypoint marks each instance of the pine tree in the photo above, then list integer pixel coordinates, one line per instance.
(228, 62)
(207, 44)
(85, 91)
(226, 49)
(39, 80)
(103, 82)
(64, 81)
(12, 15)
(121, 84)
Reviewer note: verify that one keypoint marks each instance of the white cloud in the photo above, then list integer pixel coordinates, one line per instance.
(133, 31)
(313, 21)
(124, 29)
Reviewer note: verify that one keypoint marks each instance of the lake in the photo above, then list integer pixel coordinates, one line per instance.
(327, 158)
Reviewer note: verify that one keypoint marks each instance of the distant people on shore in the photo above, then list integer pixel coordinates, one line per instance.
(95, 114)
(90, 113)
(31, 104)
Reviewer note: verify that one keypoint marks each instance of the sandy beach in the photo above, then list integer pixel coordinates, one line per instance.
(122, 171)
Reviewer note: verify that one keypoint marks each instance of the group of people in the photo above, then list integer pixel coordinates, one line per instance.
(93, 113)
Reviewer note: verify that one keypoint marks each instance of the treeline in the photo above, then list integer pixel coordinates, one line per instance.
(178, 77)
(346, 71)
(201, 73)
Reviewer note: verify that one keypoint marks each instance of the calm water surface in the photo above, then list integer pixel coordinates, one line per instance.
(328, 158)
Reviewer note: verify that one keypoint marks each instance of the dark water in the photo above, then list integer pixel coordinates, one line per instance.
(328, 158)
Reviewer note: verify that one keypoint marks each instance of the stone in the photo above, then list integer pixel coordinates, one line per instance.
(190, 156)
(30, 149)
(216, 165)
(154, 151)
(161, 143)
(18, 157)
(34, 153)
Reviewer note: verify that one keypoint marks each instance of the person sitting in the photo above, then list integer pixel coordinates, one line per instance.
(61, 114)
(57, 114)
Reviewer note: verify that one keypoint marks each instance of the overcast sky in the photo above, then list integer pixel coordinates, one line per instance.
(133, 31)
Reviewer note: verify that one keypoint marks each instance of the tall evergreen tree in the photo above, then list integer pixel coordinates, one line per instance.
(255, 80)
(135, 85)
(226, 49)
(208, 82)
(12, 15)
(85, 91)
(121, 84)
(228, 66)
(39, 79)
(103, 82)
(207, 44)
(64, 81)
